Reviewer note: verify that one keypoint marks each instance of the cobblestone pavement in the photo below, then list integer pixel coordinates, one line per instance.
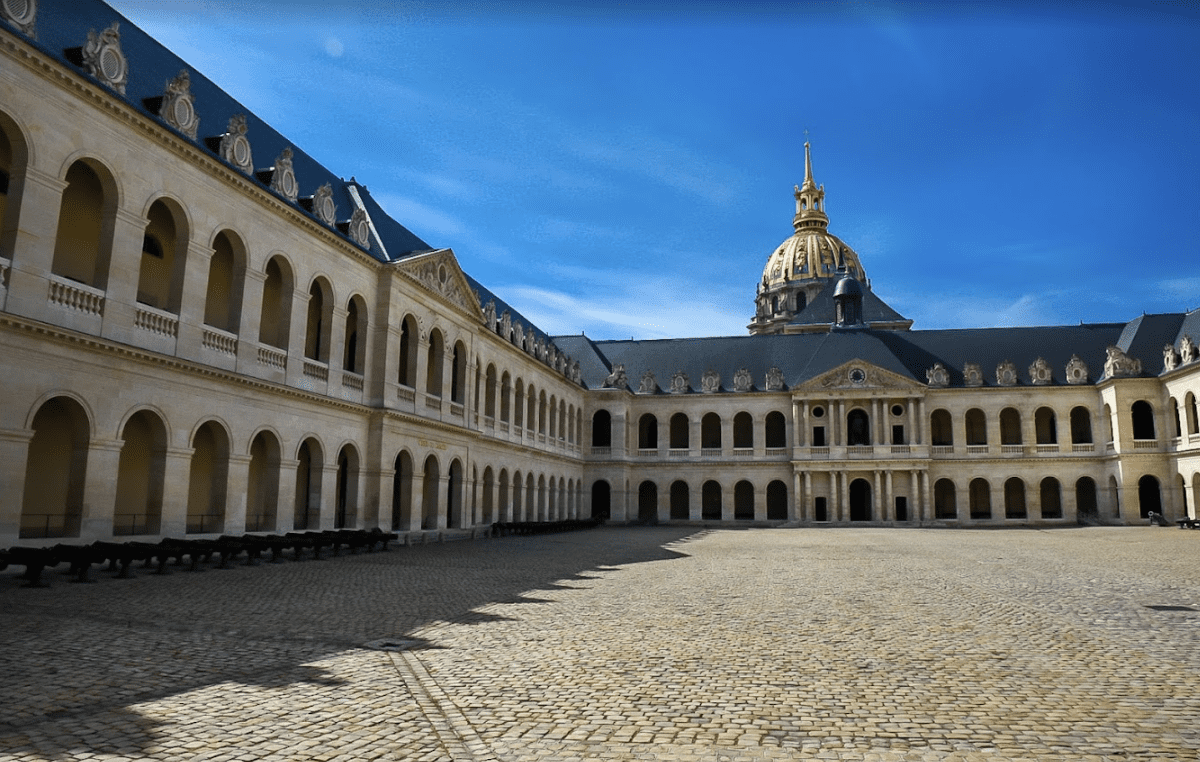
(627, 644)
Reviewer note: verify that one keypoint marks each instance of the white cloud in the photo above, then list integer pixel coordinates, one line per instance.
(1187, 289)
(421, 218)
(334, 47)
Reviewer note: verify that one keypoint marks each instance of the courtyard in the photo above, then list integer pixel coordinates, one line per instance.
(677, 643)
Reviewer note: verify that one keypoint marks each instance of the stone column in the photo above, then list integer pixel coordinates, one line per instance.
(100, 489)
(14, 454)
(375, 498)
(919, 422)
(889, 500)
(726, 493)
(421, 347)
(237, 482)
(760, 503)
(177, 471)
(328, 495)
(881, 411)
(926, 496)
(192, 303)
(620, 434)
(285, 506)
(416, 513)
(297, 333)
(805, 498)
(843, 510)
(38, 202)
(250, 321)
(124, 269)
(337, 345)
(880, 507)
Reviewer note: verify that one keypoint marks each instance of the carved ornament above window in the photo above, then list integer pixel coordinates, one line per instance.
(176, 106)
(22, 14)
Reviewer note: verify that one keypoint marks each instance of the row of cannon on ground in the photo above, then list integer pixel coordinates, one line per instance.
(120, 556)
(504, 528)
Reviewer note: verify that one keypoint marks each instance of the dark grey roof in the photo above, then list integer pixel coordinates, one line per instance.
(1189, 327)
(821, 310)
(909, 354)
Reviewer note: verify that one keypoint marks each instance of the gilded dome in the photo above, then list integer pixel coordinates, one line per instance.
(812, 253)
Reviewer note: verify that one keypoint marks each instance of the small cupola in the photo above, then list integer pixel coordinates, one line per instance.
(848, 300)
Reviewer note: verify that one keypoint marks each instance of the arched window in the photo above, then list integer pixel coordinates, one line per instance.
(276, 318)
(487, 507)
(455, 515)
(680, 426)
(648, 432)
(976, 423)
(980, 495)
(1193, 413)
(1045, 426)
(433, 369)
(601, 429)
(1149, 496)
(140, 475)
(541, 498)
(223, 298)
(776, 430)
(531, 409)
(320, 317)
(458, 373)
(519, 404)
(164, 255)
(552, 409)
(680, 501)
(307, 514)
(648, 502)
(1051, 498)
(346, 490)
(1010, 426)
(541, 412)
(1143, 420)
(55, 469)
(208, 480)
(777, 501)
(354, 347)
(743, 430)
(858, 428)
(505, 392)
(431, 475)
(945, 503)
(941, 428)
(1086, 509)
(83, 243)
(407, 375)
(710, 431)
(743, 501)
(262, 488)
(1081, 425)
(710, 501)
(12, 172)
(1014, 499)
(402, 492)
(503, 510)
(601, 500)
(1177, 427)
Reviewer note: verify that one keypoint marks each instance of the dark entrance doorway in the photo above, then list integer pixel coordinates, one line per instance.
(1149, 496)
(648, 503)
(860, 500)
(601, 507)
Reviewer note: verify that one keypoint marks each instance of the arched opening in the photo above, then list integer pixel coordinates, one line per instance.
(1081, 425)
(941, 428)
(1143, 420)
(503, 510)
(1010, 426)
(1149, 496)
(860, 500)
(531, 497)
(680, 426)
(648, 432)
(1183, 498)
(1051, 498)
(505, 390)
(276, 319)
(519, 408)
(433, 370)
(601, 500)
(1114, 493)
(552, 408)
(407, 373)
(1087, 511)
(681, 498)
(980, 497)
(262, 489)
(562, 420)
(354, 345)
(55, 469)
(1177, 423)
(777, 501)
(402, 492)
(710, 431)
(601, 429)
(223, 296)
(140, 475)
(1193, 414)
(83, 242)
(531, 409)
(12, 173)
(320, 316)
(743, 501)
(541, 412)
(488, 508)
(1014, 499)
(743, 431)
(346, 510)
(541, 499)
(208, 480)
(976, 423)
(307, 511)
(858, 428)
(648, 503)
(710, 501)
(776, 430)
(455, 516)
(164, 255)
(1194, 505)
(429, 493)
(945, 503)
(518, 506)
(1045, 426)
(458, 373)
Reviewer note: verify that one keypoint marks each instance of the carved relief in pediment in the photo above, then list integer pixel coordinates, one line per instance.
(1077, 371)
(437, 275)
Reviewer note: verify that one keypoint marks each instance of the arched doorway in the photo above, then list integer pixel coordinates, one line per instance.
(55, 469)
(402, 492)
(743, 500)
(680, 501)
(710, 501)
(140, 475)
(777, 500)
(860, 500)
(1149, 496)
(1086, 509)
(429, 493)
(601, 500)
(858, 428)
(648, 503)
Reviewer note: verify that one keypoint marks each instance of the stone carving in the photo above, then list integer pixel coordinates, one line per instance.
(710, 382)
(518, 336)
(177, 106)
(647, 385)
(774, 379)
(505, 329)
(1040, 373)
(22, 14)
(938, 376)
(1188, 352)
(359, 229)
(1077, 371)
(281, 177)
(321, 204)
(1006, 374)
(679, 383)
(435, 276)
(1120, 365)
(576, 373)
(489, 314)
(742, 380)
(102, 58)
(234, 146)
(1170, 358)
(616, 379)
(972, 374)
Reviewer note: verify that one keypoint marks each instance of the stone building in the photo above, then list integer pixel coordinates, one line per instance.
(204, 331)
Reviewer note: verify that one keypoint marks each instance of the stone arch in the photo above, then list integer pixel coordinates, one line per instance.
(648, 432)
(345, 505)
(458, 372)
(487, 505)
(1108, 422)
(743, 430)
(777, 500)
(531, 409)
(354, 341)
(435, 356)
(86, 221)
(743, 501)
(710, 501)
(776, 430)
(1193, 414)
(1142, 415)
(518, 502)
(456, 515)
(518, 403)
(430, 478)
(164, 255)
(275, 321)
(531, 496)
(1045, 426)
(503, 510)
(541, 412)
(858, 428)
(1087, 508)
(541, 498)
(861, 508)
(262, 486)
(552, 432)
(680, 432)
(945, 500)
(1149, 496)
(141, 472)
(402, 476)
(1114, 492)
(1014, 498)
(601, 500)
(489, 393)
(648, 502)
(409, 333)
(976, 427)
(319, 323)
(1010, 426)
(208, 478)
(1050, 498)
(309, 471)
(14, 160)
(979, 496)
(1081, 425)
(226, 280)
(941, 428)
(601, 429)
(1195, 504)
(56, 468)
(710, 431)
(1177, 428)
(680, 500)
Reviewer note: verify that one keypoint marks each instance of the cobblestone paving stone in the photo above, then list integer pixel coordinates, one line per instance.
(627, 644)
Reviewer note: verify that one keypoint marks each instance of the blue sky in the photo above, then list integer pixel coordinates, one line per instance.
(626, 173)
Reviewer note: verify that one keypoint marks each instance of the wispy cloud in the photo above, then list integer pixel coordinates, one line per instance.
(421, 218)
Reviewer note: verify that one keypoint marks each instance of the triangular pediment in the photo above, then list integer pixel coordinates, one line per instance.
(438, 272)
(858, 374)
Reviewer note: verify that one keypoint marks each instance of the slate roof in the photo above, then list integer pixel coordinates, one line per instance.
(803, 357)
(821, 310)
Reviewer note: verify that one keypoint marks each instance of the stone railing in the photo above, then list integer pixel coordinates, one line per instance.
(1012, 449)
(156, 321)
(352, 381)
(710, 452)
(316, 370)
(860, 451)
(678, 452)
(1145, 444)
(456, 408)
(898, 449)
(941, 450)
(219, 341)
(1086, 447)
(433, 402)
(977, 449)
(272, 357)
(601, 452)
(406, 393)
(743, 452)
(776, 451)
(75, 296)
(819, 451)
(647, 452)
(1046, 449)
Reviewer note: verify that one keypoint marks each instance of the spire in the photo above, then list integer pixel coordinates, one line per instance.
(808, 178)
(810, 199)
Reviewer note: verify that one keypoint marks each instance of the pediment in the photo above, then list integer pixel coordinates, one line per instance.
(858, 374)
(438, 272)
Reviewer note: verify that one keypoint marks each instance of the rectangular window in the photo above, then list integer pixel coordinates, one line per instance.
(818, 439)
(898, 434)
